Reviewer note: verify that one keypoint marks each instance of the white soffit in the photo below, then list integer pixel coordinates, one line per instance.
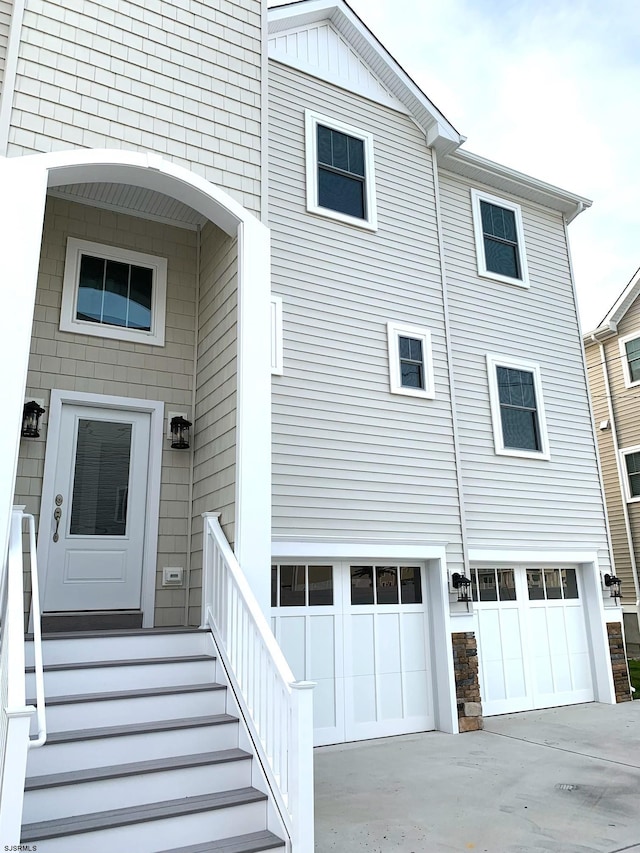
(327, 39)
(135, 201)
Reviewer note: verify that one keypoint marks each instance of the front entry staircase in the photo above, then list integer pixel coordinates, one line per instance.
(145, 750)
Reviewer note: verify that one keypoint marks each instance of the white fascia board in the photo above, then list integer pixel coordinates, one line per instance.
(440, 133)
(609, 326)
(508, 180)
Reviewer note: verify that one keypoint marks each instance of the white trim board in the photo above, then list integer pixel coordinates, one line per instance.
(358, 550)
(156, 410)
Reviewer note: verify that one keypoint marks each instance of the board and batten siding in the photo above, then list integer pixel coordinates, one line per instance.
(77, 362)
(216, 394)
(350, 459)
(179, 79)
(608, 459)
(512, 502)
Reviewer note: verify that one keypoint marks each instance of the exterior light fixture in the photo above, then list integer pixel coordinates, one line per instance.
(180, 433)
(31, 414)
(462, 584)
(614, 585)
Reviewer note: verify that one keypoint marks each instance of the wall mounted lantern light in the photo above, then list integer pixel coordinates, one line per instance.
(180, 433)
(462, 584)
(614, 585)
(31, 414)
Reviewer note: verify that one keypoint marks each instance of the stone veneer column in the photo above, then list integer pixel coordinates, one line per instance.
(619, 662)
(465, 665)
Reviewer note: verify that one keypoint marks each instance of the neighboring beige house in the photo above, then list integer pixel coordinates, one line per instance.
(613, 362)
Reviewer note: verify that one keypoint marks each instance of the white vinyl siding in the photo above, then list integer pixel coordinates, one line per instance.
(349, 458)
(507, 502)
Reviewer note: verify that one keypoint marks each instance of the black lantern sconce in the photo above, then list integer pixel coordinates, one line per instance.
(614, 585)
(180, 433)
(31, 415)
(462, 584)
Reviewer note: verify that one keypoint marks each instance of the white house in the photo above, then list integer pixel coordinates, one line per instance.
(329, 341)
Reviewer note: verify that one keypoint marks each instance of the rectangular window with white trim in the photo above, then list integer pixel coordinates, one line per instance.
(517, 408)
(630, 358)
(410, 361)
(499, 237)
(631, 458)
(116, 293)
(340, 172)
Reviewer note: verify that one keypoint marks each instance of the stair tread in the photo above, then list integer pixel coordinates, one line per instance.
(97, 664)
(139, 728)
(112, 818)
(252, 842)
(76, 698)
(119, 632)
(155, 765)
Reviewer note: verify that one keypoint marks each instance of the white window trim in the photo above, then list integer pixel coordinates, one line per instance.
(394, 331)
(277, 361)
(494, 361)
(628, 383)
(476, 197)
(624, 452)
(312, 120)
(68, 322)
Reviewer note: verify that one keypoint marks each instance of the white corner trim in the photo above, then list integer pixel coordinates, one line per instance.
(277, 362)
(156, 409)
(476, 197)
(395, 331)
(622, 342)
(312, 120)
(494, 361)
(68, 320)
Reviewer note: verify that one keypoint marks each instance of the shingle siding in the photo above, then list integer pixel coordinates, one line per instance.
(182, 80)
(512, 502)
(5, 21)
(216, 395)
(76, 362)
(349, 458)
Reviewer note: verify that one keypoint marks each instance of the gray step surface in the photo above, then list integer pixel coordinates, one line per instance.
(99, 664)
(156, 765)
(140, 728)
(121, 632)
(76, 698)
(251, 843)
(35, 832)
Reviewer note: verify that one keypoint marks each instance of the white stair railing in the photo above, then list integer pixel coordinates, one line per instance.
(15, 714)
(277, 709)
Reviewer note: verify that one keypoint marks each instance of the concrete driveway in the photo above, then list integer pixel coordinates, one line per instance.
(565, 780)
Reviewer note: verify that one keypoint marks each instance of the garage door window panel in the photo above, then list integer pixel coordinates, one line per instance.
(552, 584)
(301, 586)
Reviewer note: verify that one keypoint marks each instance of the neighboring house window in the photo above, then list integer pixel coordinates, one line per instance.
(517, 408)
(277, 367)
(632, 462)
(499, 235)
(113, 293)
(340, 173)
(410, 361)
(630, 357)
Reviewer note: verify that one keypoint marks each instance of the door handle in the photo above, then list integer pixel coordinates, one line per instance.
(57, 514)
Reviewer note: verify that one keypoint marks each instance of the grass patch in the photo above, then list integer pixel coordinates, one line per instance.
(634, 672)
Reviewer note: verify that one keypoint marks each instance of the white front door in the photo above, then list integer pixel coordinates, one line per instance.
(532, 638)
(361, 633)
(96, 518)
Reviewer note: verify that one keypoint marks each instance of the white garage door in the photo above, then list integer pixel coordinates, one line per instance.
(361, 633)
(532, 638)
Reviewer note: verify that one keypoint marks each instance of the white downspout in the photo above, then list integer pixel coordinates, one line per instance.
(616, 449)
(10, 74)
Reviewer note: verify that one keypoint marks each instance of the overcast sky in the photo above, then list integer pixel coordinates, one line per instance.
(548, 87)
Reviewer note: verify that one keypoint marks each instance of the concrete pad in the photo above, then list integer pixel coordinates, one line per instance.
(565, 780)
